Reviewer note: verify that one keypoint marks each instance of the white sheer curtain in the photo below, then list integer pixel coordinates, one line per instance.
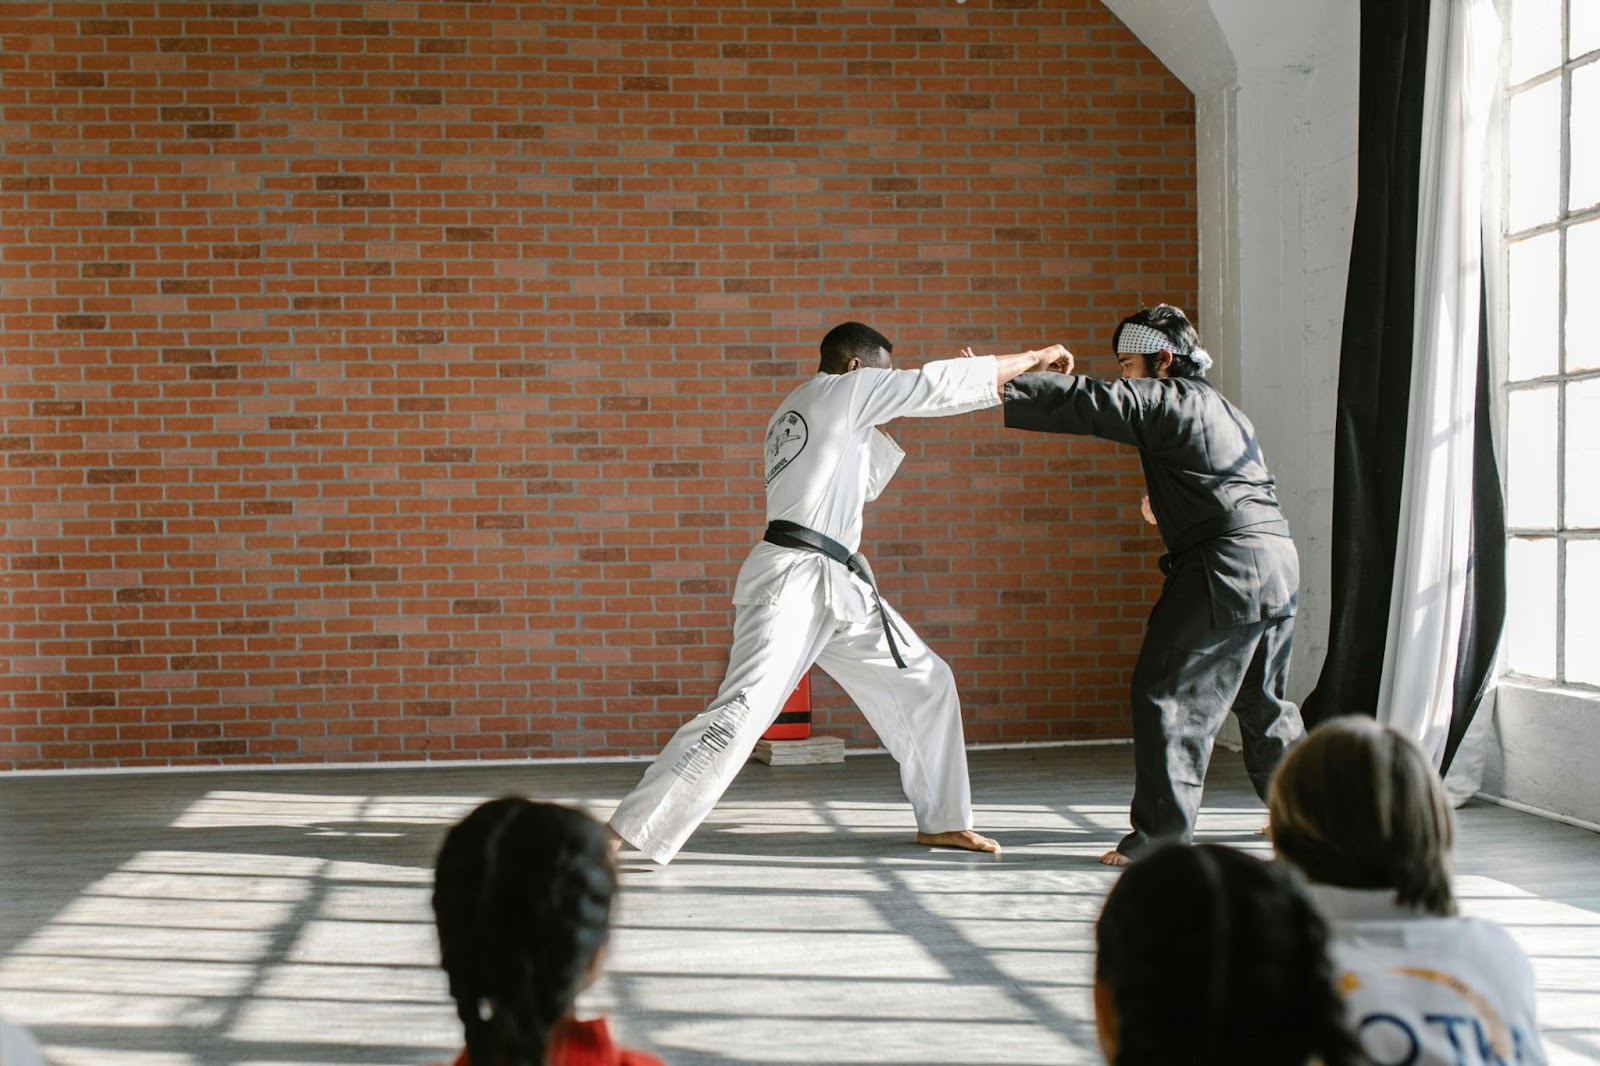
(1466, 769)
(1417, 688)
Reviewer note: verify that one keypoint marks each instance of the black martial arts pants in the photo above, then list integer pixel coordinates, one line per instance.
(1190, 673)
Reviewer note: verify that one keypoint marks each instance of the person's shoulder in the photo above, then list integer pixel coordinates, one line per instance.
(1147, 386)
(1202, 397)
(813, 383)
(869, 376)
(862, 379)
(1481, 953)
(1485, 934)
(1151, 394)
(1192, 386)
(589, 1043)
(1474, 943)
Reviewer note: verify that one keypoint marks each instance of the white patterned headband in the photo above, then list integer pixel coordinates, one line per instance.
(1143, 340)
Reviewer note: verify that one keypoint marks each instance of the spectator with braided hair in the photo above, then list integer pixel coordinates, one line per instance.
(1359, 810)
(1208, 957)
(522, 900)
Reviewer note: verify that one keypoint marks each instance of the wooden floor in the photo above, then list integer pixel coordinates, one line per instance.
(282, 918)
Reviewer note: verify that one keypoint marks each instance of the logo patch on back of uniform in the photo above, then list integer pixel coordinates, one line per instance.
(786, 439)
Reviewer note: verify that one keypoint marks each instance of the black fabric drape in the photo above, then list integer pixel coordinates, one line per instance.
(1375, 357)
(1483, 616)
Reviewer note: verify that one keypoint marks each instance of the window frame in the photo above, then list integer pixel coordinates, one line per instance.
(1562, 378)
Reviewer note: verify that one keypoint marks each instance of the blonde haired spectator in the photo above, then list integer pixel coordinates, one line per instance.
(1359, 810)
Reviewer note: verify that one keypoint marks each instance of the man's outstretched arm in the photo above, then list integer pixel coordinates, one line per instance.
(1070, 403)
(942, 387)
(1051, 357)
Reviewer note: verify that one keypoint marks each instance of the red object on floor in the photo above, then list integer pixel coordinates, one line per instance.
(794, 720)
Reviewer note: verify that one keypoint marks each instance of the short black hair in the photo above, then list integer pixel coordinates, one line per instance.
(1172, 323)
(847, 341)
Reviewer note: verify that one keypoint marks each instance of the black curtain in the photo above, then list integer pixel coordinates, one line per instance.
(1484, 613)
(1374, 403)
(1375, 357)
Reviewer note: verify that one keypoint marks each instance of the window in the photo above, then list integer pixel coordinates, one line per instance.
(1552, 241)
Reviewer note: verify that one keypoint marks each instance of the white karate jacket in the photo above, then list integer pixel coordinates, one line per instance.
(1429, 991)
(826, 458)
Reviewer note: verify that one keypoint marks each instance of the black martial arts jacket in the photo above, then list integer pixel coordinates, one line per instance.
(1209, 488)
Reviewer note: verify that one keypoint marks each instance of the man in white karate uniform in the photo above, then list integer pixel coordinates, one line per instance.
(805, 595)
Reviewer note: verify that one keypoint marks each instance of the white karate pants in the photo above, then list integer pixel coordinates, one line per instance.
(915, 712)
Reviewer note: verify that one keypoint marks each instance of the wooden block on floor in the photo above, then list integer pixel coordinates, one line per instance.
(806, 752)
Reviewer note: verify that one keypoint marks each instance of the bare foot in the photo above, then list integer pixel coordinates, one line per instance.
(965, 839)
(1114, 858)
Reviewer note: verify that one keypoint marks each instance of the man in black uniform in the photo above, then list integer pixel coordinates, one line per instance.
(1219, 636)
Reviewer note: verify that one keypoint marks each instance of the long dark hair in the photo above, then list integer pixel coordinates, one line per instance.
(1214, 958)
(522, 897)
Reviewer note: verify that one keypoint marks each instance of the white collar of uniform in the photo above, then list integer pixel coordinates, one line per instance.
(1339, 904)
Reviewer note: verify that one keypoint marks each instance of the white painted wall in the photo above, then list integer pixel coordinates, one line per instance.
(1542, 754)
(1275, 84)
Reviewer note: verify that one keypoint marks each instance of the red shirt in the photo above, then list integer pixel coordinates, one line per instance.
(575, 1043)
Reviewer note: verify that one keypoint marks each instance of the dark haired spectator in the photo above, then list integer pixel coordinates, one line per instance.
(1359, 810)
(522, 899)
(1208, 957)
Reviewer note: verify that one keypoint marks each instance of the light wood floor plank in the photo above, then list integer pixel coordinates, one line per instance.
(281, 918)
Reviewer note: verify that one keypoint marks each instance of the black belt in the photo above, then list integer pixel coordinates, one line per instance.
(793, 535)
(1269, 519)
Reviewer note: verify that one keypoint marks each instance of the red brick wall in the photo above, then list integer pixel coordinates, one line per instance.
(386, 380)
